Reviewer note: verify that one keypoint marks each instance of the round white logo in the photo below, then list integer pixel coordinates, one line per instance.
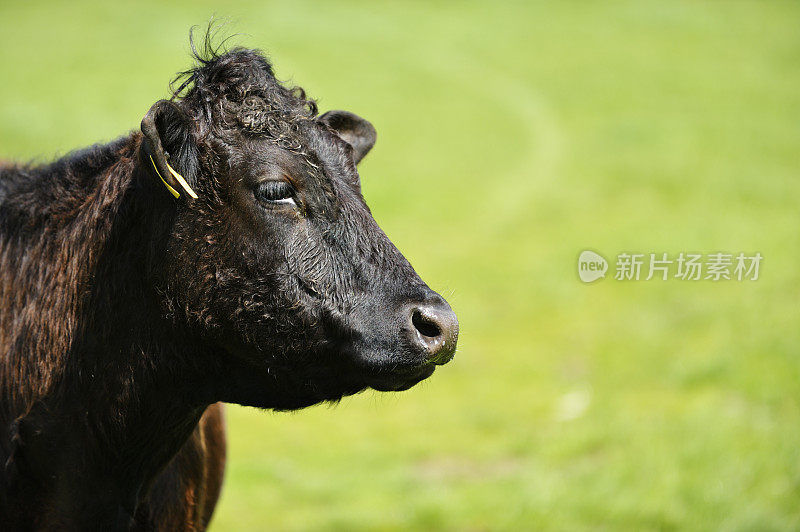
(591, 266)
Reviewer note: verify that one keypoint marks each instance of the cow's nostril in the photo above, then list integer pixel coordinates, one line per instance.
(425, 325)
(434, 329)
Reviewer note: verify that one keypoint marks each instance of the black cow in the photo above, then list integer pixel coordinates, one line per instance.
(223, 253)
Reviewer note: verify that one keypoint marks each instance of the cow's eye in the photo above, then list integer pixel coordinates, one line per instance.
(275, 192)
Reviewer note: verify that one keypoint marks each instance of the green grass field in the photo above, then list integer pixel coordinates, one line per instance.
(512, 136)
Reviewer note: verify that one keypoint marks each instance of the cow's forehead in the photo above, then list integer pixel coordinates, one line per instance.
(312, 155)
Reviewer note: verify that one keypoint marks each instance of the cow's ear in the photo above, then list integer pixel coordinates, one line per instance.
(170, 151)
(353, 129)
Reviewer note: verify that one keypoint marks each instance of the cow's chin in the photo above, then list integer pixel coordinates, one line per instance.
(401, 380)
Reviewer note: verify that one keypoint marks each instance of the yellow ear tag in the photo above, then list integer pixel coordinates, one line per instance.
(178, 177)
(171, 190)
(182, 181)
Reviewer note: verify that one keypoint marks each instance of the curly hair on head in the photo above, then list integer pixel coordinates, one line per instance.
(237, 89)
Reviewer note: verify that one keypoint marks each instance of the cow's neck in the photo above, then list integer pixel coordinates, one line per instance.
(130, 393)
(96, 445)
(134, 413)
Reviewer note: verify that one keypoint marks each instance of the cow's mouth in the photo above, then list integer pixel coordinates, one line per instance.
(401, 380)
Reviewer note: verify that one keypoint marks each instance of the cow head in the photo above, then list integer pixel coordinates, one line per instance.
(273, 257)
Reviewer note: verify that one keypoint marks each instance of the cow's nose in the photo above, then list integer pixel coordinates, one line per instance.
(434, 327)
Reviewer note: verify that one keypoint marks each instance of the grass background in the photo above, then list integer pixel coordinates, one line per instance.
(511, 137)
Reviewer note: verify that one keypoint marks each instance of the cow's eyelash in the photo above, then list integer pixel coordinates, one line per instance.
(280, 192)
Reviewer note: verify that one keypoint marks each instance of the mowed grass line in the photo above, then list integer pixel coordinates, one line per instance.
(512, 136)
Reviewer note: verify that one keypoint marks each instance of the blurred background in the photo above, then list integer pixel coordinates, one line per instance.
(511, 137)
